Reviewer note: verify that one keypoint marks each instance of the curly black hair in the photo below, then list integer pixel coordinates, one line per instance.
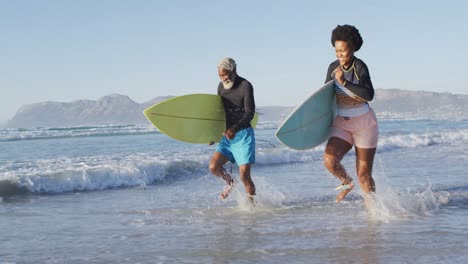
(349, 34)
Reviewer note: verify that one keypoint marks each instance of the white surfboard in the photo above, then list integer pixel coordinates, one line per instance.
(309, 124)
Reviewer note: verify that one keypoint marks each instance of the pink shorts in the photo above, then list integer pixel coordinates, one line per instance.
(361, 131)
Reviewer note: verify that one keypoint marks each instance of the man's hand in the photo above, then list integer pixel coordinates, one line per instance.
(230, 134)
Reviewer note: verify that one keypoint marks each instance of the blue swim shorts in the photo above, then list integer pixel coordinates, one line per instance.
(241, 149)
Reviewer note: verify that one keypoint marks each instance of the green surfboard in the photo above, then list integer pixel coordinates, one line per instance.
(193, 118)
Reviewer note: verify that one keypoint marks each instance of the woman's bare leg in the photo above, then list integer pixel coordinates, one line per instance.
(364, 164)
(334, 153)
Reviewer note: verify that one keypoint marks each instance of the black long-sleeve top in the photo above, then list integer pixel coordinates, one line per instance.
(239, 104)
(357, 78)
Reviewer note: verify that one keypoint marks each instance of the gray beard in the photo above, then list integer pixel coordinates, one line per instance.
(228, 84)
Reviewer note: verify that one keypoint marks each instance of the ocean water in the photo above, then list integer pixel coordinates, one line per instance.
(128, 194)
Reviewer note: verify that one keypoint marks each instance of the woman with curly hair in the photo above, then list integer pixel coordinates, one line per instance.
(356, 123)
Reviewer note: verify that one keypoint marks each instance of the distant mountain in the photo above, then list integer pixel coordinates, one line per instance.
(120, 109)
(420, 103)
(111, 109)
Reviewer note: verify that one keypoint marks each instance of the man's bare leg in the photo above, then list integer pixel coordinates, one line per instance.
(216, 167)
(244, 172)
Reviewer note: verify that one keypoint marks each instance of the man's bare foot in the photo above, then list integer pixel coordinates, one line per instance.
(226, 191)
(251, 198)
(347, 189)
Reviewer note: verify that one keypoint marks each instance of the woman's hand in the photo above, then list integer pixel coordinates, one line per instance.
(339, 75)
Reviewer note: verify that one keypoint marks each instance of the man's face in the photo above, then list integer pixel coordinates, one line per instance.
(227, 78)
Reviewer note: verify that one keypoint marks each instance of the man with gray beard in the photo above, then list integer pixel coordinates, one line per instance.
(238, 142)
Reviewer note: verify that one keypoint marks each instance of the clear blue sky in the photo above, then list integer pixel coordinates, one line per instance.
(66, 50)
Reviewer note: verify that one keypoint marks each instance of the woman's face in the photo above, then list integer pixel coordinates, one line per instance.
(344, 53)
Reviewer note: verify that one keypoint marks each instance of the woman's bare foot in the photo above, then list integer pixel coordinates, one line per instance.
(369, 201)
(347, 189)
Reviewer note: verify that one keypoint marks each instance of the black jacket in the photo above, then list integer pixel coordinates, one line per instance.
(357, 78)
(239, 104)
